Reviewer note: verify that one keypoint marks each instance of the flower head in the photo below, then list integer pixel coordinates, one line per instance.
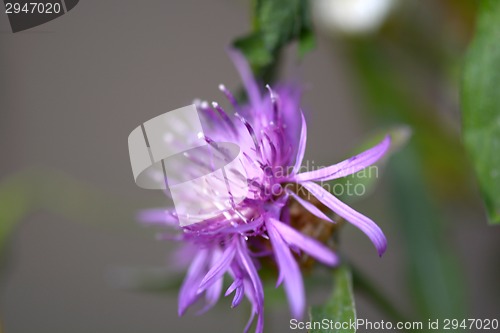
(271, 132)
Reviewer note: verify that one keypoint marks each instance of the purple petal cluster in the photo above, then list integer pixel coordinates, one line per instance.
(271, 131)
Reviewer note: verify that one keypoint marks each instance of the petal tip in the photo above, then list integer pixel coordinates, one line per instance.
(382, 248)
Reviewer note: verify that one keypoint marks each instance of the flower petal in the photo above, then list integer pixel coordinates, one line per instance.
(246, 77)
(238, 296)
(258, 290)
(214, 289)
(241, 228)
(236, 284)
(158, 216)
(349, 166)
(302, 145)
(289, 269)
(240, 291)
(188, 294)
(310, 246)
(219, 267)
(213, 294)
(310, 207)
(359, 220)
(249, 322)
(249, 292)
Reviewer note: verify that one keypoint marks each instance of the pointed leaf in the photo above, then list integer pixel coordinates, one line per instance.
(481, 106)
(340, 307)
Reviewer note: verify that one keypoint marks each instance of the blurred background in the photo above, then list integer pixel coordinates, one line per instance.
(73, 255)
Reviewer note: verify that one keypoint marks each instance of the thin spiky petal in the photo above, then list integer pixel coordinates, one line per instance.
(370, 228)
(349, 166)
(302, 145)
(188, 293)
(308, 245)
(310, 207)
(219, 267)
(289, 270)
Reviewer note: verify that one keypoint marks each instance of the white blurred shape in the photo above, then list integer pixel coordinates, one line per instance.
(351, 16)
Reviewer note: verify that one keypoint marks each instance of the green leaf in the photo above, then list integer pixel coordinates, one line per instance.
(275, 24)
(307, 42)
(254, 49)
(340, 306)
(481, 106)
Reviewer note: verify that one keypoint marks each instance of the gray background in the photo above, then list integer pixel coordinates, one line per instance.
(71, 92)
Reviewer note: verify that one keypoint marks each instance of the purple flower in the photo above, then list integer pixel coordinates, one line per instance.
(271, 132)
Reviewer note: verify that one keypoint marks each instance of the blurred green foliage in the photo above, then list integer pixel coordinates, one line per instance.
(340, 305)
(481, 105)
(431, 277)
(275, 23)
(435, 279)
(394, 69)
